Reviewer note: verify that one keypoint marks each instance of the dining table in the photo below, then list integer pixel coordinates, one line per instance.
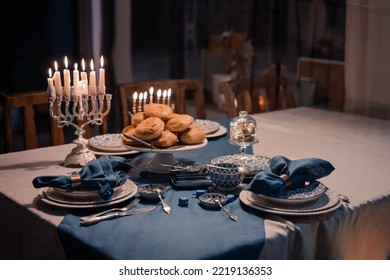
(359, 228)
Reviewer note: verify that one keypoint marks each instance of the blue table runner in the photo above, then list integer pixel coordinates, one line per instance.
(188, 233)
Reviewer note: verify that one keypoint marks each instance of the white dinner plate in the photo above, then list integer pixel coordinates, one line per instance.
(207, 126)
(221, 131)
(106, 153)
(108, 143)
(58, 198)
(326, 203)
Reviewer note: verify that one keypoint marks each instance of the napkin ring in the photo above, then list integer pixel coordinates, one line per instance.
(75, 180)
(286, 179)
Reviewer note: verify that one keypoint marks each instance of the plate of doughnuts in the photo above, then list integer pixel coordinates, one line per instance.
(160, 127)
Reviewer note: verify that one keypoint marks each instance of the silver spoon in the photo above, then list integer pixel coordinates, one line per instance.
(166, 207)
(231, 215)
(344, 198)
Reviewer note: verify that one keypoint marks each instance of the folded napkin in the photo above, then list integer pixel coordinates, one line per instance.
(284, 174)
(102, 174)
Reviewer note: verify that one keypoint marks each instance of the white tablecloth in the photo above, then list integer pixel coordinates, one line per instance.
(357, 146)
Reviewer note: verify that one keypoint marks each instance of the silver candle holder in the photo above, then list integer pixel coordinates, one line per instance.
(90, 107)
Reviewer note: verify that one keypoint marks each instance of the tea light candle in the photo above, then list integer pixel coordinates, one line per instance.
(50, 86)
(151, 90)
(92, 79)
(66, 78)
(57, 80)
(76, 78)
(102, 82)
(158, 95)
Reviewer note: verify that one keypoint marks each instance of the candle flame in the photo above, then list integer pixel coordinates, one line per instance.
(91, 65)
(66, 61)
(151, 90)
(83, 64)
(159, 93)
(145, 95)
(135, 96)
(75, 66)
(50, 73)
(169, 92)
(165, 93)
(55, 65)
(101, 62)
(141, 96)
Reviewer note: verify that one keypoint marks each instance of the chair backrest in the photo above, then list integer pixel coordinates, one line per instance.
(329, 78)
(264, 92)
(29, 102)
(179, 89)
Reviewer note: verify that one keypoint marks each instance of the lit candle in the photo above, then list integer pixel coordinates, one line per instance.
(102, 82)
(164, 96)
(169, 96)
(141, 95)
(50, 86)
(66, 78)
(144, 101)
(76, 78)
(57, 80)
(158, 95)
(92, 79)
(151, 90)
(84, 80)
(135, 96)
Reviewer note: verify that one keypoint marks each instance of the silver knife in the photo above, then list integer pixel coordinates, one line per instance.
(94, 220)
(136, 139)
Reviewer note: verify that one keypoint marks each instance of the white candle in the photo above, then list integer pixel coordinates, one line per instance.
(151, 90)
(83, 86)
(164, 96)
(50, 86)
(141, 96)
(169, 96)
(57, 80)
(66, 78)
(102, 81)
(76, 78)
(135, 96)
(144, 101)
(92, 79)
(158, 95)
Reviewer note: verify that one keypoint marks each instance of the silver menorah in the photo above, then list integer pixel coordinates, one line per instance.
(90, 107)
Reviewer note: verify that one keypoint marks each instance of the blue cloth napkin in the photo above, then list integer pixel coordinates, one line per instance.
(284, 174)
(102, 174)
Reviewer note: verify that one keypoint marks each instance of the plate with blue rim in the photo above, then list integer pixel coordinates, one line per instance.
(108, 144)
(311, 191)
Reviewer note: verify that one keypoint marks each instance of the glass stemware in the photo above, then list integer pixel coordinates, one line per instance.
(243, 131)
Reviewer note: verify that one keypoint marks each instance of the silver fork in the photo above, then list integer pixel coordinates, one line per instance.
(131, 205)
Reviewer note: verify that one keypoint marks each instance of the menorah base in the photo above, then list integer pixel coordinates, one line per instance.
(79, 156)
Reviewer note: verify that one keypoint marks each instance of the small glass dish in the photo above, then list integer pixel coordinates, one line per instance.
(149, 191)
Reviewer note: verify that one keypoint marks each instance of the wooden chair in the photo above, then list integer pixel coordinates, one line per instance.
(29, 103)
(329, 78)
(179, 87)
(258, 94)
